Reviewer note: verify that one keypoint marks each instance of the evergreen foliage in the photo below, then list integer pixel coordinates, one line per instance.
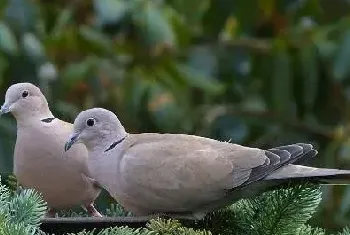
(20, 213)
(308, 230)
(116, 210)
(280, 212)
(346, 231)
(286, 210)
(173, 227)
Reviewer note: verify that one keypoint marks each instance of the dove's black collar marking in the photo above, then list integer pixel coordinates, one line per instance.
(48, 120)
(115, 144)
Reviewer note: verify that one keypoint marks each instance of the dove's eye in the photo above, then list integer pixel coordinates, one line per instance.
(90, 122)
(25, 94)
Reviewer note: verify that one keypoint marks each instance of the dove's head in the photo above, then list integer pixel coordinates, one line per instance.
(24, 100)
(96, 127)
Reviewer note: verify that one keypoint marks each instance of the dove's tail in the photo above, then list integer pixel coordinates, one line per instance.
(318, 175)
(284, 176)
(283, 171)
(288, 168)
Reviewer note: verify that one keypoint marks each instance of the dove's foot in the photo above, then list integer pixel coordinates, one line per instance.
(51, 213)
(91, 210)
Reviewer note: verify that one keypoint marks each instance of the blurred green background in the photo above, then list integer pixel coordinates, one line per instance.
(258, 73)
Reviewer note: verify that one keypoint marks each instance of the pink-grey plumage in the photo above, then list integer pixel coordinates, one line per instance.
(40, 162)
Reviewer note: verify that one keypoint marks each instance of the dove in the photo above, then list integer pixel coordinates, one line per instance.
(185, 176)
(40, 161)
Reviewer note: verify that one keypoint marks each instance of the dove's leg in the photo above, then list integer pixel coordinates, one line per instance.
(91, 210)
(51, 213)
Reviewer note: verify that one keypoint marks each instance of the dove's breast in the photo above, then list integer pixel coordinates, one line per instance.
(41, 163)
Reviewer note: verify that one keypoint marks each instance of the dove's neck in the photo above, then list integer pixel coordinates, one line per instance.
(107, 142)
(104, 161)
(32, 116)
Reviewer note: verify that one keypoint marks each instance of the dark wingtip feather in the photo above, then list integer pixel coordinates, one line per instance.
(293, 149)
(306, 147)
(281, 156)
(298, 151)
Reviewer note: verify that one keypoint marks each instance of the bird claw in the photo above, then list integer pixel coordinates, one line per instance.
(91, 210)
(51, 213)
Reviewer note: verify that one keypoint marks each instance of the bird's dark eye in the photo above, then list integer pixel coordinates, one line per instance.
(25, 94)
(90, 122)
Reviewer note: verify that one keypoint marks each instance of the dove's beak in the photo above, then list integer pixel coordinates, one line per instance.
(5, 108)
(72, 140)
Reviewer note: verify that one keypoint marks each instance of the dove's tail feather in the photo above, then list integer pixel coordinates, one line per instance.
(318, 175)
(286, 175)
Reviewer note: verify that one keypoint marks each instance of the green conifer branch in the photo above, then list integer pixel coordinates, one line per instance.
(279, 211)
(346, 231)
(308, 230)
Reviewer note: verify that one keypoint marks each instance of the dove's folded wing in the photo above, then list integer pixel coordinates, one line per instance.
(170, 162)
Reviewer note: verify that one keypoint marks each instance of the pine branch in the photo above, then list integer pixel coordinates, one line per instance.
(172, 227)
(221, 222)
(277, 212)
(308, 230)
(72, 213)
(20, 214)
(116, 210)
(27, 207)
(154, 227)
(346, 231)
(117, 230)
(18, 229)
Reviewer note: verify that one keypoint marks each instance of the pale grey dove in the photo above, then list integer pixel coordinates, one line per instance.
(184, 176)
(40, 161)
